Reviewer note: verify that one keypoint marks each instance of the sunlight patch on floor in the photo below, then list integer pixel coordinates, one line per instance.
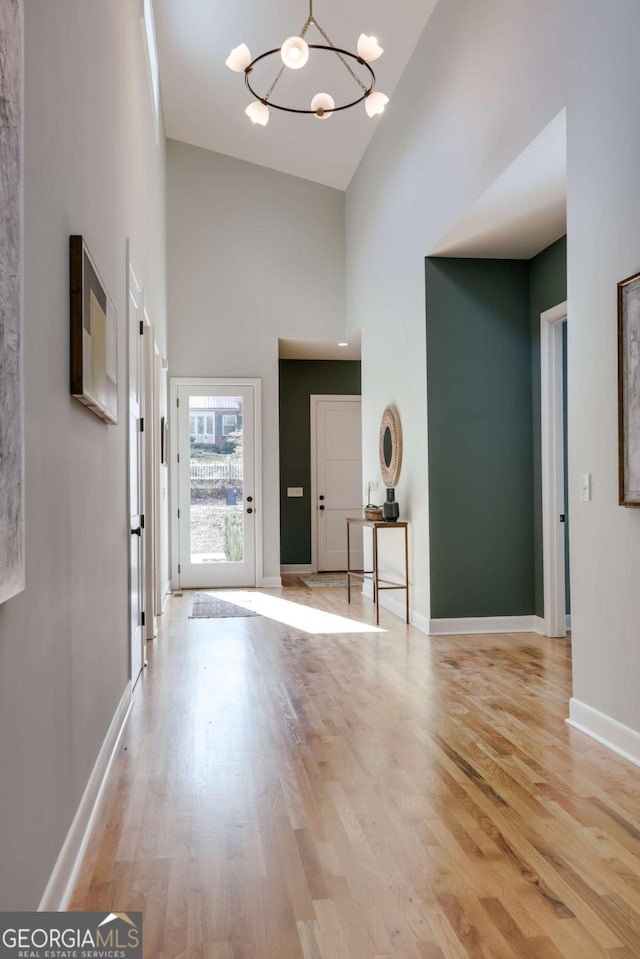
(306, 618)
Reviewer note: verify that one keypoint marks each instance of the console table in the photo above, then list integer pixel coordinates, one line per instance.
(378, 584)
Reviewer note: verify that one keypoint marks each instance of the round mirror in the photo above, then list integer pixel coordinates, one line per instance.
(387, 447)
(390, 446)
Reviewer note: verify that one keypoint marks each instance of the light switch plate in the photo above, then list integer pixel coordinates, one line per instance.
(295, 491)
(585, 487)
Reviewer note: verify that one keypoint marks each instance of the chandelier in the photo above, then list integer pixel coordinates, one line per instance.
(295, 53)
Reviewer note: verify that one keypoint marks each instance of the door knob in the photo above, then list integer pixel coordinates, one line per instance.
(321, 498)
(321, 508)
(137, 532)
(249, 499)
(249, 510)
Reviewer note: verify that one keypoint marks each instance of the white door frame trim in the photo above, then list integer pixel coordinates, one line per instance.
(314, 399)
(552, 453)
(133, 283)
(149, 350)
(213, 381)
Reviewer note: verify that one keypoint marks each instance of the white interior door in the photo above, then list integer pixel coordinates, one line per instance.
(217, 500)
(135, 327)
(554, 507)
(338, 479)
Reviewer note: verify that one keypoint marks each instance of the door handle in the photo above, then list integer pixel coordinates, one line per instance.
(321, 498)
(249, 510)
(321, 508)
(137, 532)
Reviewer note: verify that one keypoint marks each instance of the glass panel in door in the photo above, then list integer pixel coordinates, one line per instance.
(217, 508)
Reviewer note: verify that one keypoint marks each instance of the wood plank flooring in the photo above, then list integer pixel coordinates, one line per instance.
(280, 794)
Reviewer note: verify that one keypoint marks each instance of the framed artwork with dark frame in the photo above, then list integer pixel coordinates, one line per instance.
(94, 336)
(629, 391)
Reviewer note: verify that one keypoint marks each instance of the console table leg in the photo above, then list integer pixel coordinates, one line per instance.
(348, 563)
(406, 567)
(376, 591)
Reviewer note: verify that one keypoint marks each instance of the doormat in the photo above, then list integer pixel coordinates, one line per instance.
(210, 607)
(324, 579)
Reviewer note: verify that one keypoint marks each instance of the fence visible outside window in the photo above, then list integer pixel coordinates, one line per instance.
(225, 469)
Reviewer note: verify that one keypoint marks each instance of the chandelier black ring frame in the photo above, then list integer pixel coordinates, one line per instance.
(312, 46)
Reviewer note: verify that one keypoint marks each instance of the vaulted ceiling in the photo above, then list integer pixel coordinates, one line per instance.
(204, 102)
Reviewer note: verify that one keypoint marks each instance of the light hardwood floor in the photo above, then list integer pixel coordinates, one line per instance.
(286, 795)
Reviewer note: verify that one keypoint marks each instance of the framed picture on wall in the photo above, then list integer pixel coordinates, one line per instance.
(94, 336)
(629, 390)
(12, 555)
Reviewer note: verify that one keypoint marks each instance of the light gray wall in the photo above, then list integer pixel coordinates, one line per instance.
(484, 79)
(603, 234)
(252, 255)
(92, 167)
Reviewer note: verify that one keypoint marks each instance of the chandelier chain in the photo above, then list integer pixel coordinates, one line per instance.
(302, 34)
(310, 20)
(331, 44)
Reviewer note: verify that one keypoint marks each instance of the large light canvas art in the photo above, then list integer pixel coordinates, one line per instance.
(11, 428)
(629, 390)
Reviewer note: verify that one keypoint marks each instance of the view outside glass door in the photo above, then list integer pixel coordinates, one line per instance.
(216, 477)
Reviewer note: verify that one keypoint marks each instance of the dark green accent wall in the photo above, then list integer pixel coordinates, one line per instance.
(480, 437)
(483, 388)
(299, 379)
(547, 288)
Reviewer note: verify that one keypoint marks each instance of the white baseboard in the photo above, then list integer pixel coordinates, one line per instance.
(540, 626)
(607, 731)
(486, 624)
(397, 607)
(271, 582)
(65, 872)
(297, 568)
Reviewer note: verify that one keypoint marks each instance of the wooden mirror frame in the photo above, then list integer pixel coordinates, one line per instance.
(391, 421)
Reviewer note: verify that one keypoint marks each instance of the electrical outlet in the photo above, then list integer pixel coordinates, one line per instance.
(295, 491)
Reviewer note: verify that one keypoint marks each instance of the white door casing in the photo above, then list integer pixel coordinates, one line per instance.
(194, 566)
(151, 469)
(135, 392)
(159, 513)
(336, 480)
(552, 450)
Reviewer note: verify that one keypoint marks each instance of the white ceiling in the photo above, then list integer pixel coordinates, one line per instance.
(204, 101)
(289, 349)
(524, 210)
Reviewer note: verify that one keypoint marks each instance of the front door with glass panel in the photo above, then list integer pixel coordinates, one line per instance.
(216, 485)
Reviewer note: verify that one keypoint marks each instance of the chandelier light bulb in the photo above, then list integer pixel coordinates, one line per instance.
(294, 53)
(258, 112)
(375, 103)
(369, 48)
(239, 58)
(323, 105)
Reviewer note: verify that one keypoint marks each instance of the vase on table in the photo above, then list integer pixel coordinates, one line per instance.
(390, 509)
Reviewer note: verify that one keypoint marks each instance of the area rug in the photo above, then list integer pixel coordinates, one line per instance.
(324, 579)
(210, 607)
